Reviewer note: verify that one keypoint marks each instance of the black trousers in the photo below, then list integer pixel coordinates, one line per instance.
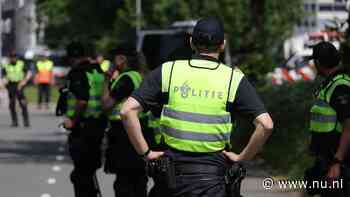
(85, 150)
(44, 94)
(123, 161)
(199, 183)
(15, 94)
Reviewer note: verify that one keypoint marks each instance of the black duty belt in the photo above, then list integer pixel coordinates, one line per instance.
(188, 169)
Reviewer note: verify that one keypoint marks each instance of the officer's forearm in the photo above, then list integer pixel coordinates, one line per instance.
(28, 77)
(129, 115)
(344, 142)
(263, 130)
(79, 110)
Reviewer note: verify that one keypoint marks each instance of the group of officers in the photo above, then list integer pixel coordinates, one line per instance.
(17, 74)
(175, 123)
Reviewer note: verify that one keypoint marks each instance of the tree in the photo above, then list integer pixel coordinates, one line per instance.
(255, 28)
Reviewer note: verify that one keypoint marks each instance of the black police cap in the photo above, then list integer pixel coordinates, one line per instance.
(208, 32)
(326, 54)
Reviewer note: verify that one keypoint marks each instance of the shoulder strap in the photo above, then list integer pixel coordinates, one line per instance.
(334, 83)
(236, 77)
(135, 77)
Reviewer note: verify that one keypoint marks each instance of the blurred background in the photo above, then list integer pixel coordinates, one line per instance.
(270, 40)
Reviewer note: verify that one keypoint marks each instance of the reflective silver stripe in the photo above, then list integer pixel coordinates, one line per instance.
(156, 130)
(321, 103)
(115, 113)
(196, 117)
(323, 118)
(189, 135)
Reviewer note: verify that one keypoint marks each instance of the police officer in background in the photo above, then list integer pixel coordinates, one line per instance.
(200, 98)
(85, 120)
(121, 157)
(43, 78)
(330, 120)
(16, 76)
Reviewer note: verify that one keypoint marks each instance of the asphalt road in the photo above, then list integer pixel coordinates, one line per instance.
(34, 162)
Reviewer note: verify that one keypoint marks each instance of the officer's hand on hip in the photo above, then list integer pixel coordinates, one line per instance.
(153, 155)
(334, 171)
(68, 123)
(232, 156)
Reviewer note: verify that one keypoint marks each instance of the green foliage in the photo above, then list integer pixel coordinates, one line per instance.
(255, 28)
(286, 152)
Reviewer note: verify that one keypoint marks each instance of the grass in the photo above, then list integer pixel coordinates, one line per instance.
(31, 93)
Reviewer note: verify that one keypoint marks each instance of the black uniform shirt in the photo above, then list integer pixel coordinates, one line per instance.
(78, 81)
(122, 89)
(246, 103)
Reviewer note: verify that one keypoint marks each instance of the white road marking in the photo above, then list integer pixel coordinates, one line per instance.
(45, 195)
(51, 181)
(56, 168)
(59, 157)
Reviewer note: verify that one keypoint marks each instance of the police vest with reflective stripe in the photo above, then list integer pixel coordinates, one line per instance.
(14, 73)
(136, 79)
(94, 108)
(196, 119)
(46, 65)
(44, 75)
(154, 124)
(323, 116)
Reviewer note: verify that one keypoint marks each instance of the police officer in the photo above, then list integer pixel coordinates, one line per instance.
(44, 67)
(330, 118)
(121, 158)
(16, 76)
(200, 98)
(85, 120)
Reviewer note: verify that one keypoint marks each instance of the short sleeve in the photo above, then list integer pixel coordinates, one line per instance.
(149, 95)
(79, 85)
(340, 101)
(3, 72)
(122, 89)
(247, 102)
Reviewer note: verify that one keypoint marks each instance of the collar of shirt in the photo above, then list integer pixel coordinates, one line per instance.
(331, 77)
(204, 57)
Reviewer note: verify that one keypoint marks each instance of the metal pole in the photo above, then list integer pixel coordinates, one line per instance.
(138, 20)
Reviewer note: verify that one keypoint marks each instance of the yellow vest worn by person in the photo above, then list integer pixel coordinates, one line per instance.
(154, 124)
(323, 116)
(44, 74)
(94, 108)
(14, 73)
(196, 119)
(136, 79)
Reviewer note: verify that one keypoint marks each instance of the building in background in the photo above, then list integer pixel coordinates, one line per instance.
(325, 20)
(19, 26)
(323, 13)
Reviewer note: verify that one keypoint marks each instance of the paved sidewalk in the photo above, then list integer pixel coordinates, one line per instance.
(34, 162)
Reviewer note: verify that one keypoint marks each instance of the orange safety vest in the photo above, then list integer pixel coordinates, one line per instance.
(44, 75)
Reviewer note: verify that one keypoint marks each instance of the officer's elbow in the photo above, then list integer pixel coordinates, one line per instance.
(266, 122)
(268, 126)
(130, 108)
(126, 111)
